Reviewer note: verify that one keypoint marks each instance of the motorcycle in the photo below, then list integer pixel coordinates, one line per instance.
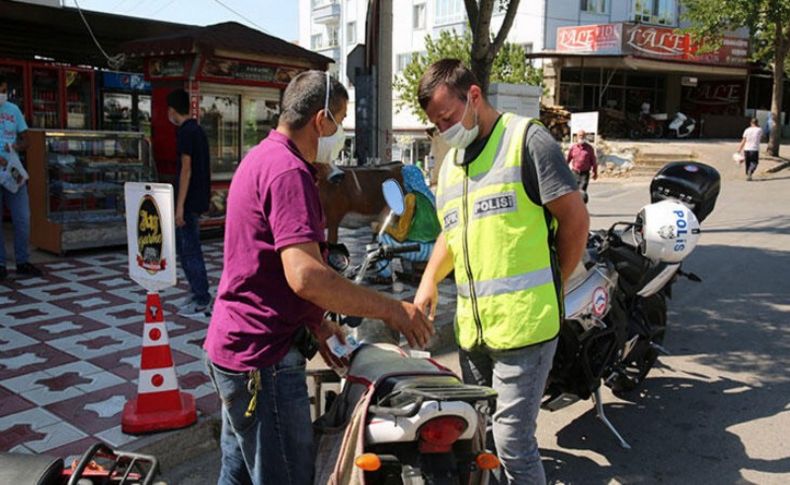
(681, 126)
(400, 416)
(616, 301)
(98, 465)
(647, 125)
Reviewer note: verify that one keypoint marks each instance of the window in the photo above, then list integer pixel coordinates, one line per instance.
(332, 36)
(259, 116)
(418, 16)
(219, 117)
(351, 33)
(315, 41)
(450, 12)
(402, 61)
(593, 6)
(663, 12)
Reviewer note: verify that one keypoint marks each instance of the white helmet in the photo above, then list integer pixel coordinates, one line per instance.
(670, 231)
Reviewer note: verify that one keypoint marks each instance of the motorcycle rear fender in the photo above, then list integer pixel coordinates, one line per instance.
(389, 429)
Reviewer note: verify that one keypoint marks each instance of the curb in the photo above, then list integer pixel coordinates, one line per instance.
(779, 167)
(180, 446)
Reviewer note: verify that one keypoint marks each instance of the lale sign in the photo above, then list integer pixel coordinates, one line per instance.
(655, 42)
(151, 235)
(590, 38)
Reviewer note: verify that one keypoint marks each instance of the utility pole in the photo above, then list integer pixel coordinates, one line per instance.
(384, 82)
(369, 67)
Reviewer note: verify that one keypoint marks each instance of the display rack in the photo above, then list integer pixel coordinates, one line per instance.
(76, 186)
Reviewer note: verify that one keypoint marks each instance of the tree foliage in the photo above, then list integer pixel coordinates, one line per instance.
(768, 22)
(509, 66)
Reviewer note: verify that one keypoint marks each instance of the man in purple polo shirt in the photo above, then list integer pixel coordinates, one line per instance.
(275, 283)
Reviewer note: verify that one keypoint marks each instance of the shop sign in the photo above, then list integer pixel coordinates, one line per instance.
(648, 41)
(717, 93)
(667, 43)
(125, 80)
(150, 234)
(218, 68)
(590, 38)
(169, 67)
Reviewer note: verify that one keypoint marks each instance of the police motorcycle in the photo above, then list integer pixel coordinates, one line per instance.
(616, 300)
(400, 418)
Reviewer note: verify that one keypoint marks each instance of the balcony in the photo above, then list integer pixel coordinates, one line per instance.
(459, 27)
(326, 11)
(329, 50)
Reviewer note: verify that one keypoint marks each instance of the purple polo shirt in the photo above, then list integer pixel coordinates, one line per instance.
(272, 204)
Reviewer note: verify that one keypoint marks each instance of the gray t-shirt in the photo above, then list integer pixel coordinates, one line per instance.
(544, 169)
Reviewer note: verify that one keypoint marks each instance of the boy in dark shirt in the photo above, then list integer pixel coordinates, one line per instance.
(192, 190)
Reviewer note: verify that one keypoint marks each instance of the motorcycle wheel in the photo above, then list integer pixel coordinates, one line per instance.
(658, 131)
(651, 317)
(634, 133)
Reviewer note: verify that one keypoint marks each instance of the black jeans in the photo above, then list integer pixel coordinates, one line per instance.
(583, 179)
(752, 158)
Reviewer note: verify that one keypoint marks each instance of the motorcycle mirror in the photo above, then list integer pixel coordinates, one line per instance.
(393, 194)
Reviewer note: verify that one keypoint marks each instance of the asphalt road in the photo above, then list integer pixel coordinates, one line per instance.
(718, 409)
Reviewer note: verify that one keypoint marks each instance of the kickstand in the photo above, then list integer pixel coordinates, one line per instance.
(602, 416)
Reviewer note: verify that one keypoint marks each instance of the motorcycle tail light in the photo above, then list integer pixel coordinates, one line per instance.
(439, 434)
(369, 462)
(487, 461)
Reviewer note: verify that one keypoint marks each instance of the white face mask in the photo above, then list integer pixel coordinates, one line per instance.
(458, 136)
(3, 98)
(329, 146)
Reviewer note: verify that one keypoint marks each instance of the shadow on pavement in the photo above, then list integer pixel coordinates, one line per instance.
(679, 431)
(680, 425)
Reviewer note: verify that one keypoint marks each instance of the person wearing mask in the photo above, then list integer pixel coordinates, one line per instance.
(14, 194)
(513, 228)
(192, 193)
(750, 146)
(582, 160)
(276, 286)
(418, 223)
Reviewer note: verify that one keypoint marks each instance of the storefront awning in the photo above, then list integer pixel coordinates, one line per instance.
(633, 63)
(40, 32)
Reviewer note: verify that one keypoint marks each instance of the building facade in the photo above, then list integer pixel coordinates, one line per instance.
(645, 60)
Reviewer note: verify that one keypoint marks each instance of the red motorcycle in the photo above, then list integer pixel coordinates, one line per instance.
(648, 126)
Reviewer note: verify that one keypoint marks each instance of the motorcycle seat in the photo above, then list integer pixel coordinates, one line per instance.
(21, 469)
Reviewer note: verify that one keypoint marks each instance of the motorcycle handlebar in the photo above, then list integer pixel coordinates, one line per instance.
(389, 251)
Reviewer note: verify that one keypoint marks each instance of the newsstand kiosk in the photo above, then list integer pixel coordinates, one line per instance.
(235, 77)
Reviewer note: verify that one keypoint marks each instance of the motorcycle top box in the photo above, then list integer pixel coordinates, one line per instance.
(694, 184)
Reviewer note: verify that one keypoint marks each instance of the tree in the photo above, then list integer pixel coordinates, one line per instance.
(485, 46)
(510, 66)
(769, 26)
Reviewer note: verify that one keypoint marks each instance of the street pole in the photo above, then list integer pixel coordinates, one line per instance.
(383, 73)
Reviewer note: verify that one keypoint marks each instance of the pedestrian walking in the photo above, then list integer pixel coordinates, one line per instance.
(582, 160)
(750, 146)
(192, 193)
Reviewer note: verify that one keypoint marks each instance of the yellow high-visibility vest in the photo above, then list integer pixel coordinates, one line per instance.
(506, 274)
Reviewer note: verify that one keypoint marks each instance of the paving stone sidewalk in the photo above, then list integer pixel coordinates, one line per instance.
(70, 348)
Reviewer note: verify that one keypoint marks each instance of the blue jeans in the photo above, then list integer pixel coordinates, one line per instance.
(519, 377)
(19, 207)
(274, 446)
(191, 255)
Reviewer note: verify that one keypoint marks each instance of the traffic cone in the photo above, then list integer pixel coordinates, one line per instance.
(159, 405)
